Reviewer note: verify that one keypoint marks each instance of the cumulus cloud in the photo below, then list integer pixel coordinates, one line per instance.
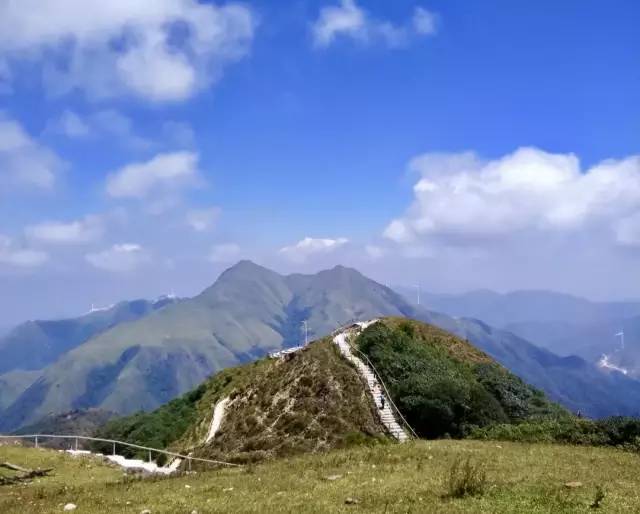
(310, 246)
(23, 161)
(161, 50)
(348, 20)
(164, 174)
(119, 258)
(461, 198)
(201, 220)
(72, 232)
(14, 255)
(224, 253)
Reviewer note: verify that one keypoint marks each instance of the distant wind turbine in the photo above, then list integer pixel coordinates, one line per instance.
(306, 333)
(621, 336)
(417, 286)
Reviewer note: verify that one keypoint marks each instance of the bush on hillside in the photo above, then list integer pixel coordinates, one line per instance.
(617, 431)
(441, 395)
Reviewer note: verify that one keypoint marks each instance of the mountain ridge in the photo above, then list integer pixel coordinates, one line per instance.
(251, 311)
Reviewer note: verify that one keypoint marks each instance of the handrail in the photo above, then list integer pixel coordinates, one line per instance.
(395, 408)
(115, 442)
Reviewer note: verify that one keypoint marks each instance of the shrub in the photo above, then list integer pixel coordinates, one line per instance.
(443, 385)
(466, 479)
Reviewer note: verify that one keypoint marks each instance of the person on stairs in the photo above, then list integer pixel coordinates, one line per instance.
(381, 402)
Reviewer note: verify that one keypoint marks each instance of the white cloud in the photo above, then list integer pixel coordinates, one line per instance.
(119, 258)
(310, 246)
(462, 199)
(73, 232)
(23, 161)
(424, 22)
(164, 174)
(375, 252)
(158, 50)
(628, 230)
(351, 21)
(12, 255)
(201, 220)
(71, 125)
(226, 252)
(105, 123)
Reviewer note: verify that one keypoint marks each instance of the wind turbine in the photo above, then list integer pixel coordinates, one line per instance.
(417, 286)
(306, 333)
(621, 336)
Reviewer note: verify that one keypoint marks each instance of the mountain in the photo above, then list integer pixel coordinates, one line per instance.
(521, 307)
(35, 344)
(557, 321)
(314, 399)
(251, 311)
(78, 422)
(247, 313)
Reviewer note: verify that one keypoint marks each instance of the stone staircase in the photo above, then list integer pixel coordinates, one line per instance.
(382, 402)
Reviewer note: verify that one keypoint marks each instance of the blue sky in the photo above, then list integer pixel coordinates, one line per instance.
(293, 136)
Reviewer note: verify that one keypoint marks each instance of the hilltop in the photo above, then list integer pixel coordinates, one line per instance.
(314, 400)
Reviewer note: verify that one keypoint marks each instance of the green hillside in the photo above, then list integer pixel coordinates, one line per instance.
(443, 385)
(314, 400)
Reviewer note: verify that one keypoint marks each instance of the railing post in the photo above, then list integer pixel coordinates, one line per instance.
(189, 463)
(36, 441)
(76, 444)
(114, 448)
(149, 456)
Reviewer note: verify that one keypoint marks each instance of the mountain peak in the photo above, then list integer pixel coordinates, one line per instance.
(246, 265)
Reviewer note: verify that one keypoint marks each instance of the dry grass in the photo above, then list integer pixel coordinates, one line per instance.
(520, 478)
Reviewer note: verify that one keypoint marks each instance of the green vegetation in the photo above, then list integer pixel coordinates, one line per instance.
(444, 386)
(157, 429)
(466, 478)
(520, 478)
(621, 432)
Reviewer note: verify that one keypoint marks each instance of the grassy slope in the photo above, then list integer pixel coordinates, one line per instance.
(312, 401)
(400, 478)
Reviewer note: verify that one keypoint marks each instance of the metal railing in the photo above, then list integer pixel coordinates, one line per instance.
(115, 443)
(384, 386)
(350, 323)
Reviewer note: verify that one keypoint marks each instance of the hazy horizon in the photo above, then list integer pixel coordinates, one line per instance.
(455, 145)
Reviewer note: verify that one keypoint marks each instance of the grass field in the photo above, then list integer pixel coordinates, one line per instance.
(522, 478)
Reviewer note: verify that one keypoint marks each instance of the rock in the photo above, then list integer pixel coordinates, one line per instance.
(194, 512)
(573, 485)
(146, 511)
(69, 507)
(333, 477)
(228, 489)
(351, 501)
